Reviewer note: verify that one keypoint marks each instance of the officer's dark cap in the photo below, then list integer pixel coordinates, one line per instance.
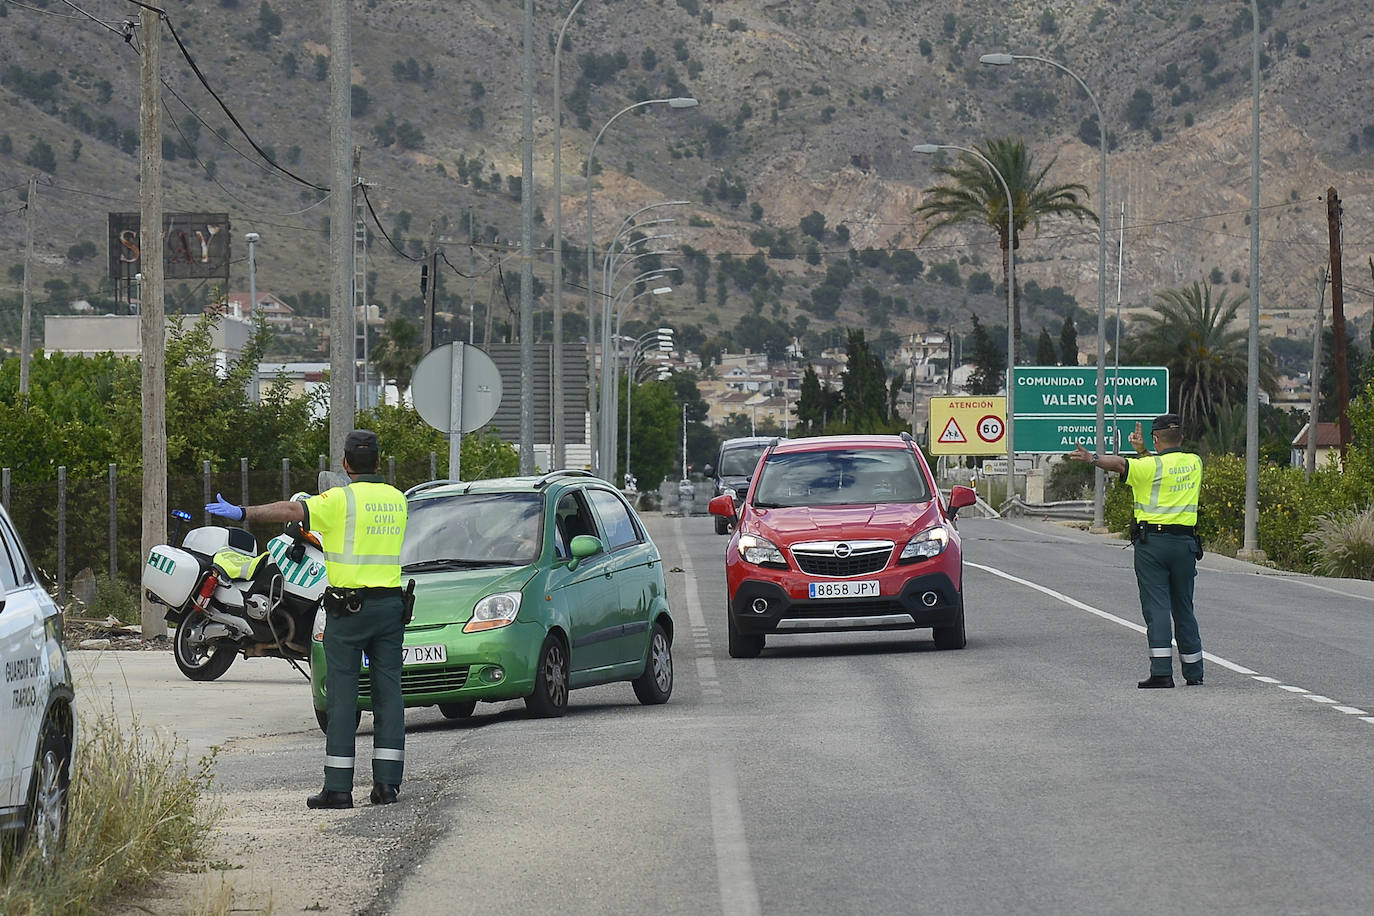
(361, 440)
(1166, 421)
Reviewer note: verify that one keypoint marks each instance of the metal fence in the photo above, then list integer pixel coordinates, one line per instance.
(70, 525)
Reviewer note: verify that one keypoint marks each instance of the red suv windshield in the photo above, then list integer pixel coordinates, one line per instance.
(840, 477)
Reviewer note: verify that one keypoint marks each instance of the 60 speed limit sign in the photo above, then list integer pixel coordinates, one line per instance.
(991, 428)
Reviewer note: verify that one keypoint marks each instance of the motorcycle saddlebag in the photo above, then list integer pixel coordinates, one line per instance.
(170, 574)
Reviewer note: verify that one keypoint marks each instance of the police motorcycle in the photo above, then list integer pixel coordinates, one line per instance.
(226, 598)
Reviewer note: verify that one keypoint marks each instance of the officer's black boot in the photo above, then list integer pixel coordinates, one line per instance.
(384, 794)
(1156, 680)
(327, 798)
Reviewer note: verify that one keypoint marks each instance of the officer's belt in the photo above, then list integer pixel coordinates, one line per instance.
(373, 591)
(1154, 528)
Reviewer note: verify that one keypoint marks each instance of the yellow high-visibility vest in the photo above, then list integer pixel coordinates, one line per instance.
(361, 527)
(1165, 487)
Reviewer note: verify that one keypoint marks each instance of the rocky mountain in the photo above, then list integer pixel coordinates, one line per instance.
(806, 107)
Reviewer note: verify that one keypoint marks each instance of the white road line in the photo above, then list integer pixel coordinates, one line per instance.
(739, 896)
(1074, 602)
(1130, 625)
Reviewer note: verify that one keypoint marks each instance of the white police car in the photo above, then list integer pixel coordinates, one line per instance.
(37, 705)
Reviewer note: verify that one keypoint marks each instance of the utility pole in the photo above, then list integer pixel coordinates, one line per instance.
(27, 321)
(1310, 464)
(341, 362)
(150, 320)
(360, 276)
(429, 286)
(1338, 356)
(527, 253)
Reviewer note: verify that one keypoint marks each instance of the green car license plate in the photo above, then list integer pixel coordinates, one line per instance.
(419, 655)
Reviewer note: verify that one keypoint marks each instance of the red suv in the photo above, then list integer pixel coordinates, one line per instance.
(843, 533)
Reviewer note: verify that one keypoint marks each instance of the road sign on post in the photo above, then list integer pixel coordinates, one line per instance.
(456, 389)
(1071, 391)
(1056, 406)
(971, 425)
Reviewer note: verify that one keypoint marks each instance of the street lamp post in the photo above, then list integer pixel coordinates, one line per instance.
(929, 148)
(662, 338)
(1250, 549)
(674, 102)
(1099, 476)
(559, 432)
(610, 392)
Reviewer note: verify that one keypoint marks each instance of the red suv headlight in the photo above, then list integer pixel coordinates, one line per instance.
(929, 543)
(760, 551)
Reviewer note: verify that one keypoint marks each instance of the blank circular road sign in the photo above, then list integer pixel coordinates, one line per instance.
(431, 387)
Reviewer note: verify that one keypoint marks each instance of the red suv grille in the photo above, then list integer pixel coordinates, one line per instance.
(858, 563)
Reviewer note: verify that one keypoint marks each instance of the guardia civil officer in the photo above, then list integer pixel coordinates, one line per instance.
(361, 526)
(1165, 490)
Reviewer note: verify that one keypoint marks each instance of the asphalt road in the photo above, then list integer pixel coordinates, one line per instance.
(870, 773)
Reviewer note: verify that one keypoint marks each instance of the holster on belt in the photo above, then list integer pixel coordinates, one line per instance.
(340, 602)
(1138, 533)
(408, 603)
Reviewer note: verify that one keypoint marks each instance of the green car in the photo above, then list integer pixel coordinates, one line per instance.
(525, 588)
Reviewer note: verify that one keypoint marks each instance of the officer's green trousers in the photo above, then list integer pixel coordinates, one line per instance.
(377, 630)
(1165, 567)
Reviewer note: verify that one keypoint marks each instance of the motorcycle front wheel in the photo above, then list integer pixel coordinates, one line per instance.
(198, 662)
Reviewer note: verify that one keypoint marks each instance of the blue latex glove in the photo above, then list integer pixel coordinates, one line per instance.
(225, 509)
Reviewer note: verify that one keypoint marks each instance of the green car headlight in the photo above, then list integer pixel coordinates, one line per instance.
(493, 612)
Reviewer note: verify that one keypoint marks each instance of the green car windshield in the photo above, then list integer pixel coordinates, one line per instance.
(848, 477)
(473, 529)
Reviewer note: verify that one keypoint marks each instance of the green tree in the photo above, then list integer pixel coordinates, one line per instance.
(655, 431)
(976, 195)
(1044, 349)
(989, 361)
(864, 387)
(398, 352)
(1204, 347)
(1068, 342)
(816, 405)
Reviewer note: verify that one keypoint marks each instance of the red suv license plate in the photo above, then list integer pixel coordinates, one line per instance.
(858, 588)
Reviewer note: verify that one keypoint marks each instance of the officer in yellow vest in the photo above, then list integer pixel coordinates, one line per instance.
(362, 526)
(1165, 489)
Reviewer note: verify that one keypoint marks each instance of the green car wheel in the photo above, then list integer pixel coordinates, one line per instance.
(655, 685)
(550, 697)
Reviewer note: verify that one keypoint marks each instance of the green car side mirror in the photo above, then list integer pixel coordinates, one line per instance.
(583, 545)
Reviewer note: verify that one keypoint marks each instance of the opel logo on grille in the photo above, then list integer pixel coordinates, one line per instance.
(842, 550)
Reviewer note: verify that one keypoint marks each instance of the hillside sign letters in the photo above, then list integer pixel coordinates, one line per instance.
(195, 246)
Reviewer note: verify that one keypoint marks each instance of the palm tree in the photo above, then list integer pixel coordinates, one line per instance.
(397, 353)
(1205, 349)
(977, 196)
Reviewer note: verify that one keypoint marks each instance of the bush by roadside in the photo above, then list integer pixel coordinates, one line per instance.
(135, 811)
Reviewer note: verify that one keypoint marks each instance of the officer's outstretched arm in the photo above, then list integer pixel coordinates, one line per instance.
(284, 511)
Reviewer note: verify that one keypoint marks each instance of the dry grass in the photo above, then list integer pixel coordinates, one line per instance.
(135, 811)
(1342, 544)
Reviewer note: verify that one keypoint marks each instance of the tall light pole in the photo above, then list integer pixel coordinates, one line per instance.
(610, 393)
(252, 238)
(929, 148)
(560, 435)
(1250, 548)
(1099, 476)
(674, 102)
(661, 338)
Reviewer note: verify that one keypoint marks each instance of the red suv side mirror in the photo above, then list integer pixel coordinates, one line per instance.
(959, 497)
(724, 506)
